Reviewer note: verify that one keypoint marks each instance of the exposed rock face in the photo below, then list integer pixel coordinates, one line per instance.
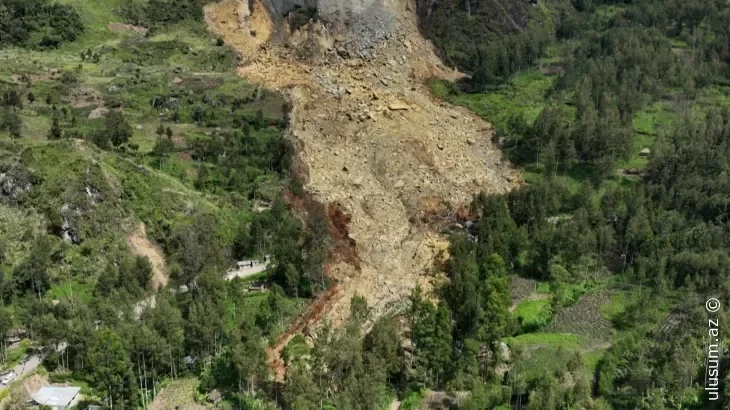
(326, 9)
(14, 181)
(359, 24)
(277, 8)
(69, 228)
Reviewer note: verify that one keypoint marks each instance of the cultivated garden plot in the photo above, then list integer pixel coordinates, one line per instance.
(521, 288)
(584, 318)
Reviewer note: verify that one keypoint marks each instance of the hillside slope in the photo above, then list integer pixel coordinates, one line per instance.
(88, 197)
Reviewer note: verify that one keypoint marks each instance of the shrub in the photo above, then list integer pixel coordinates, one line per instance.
(10, 121)
(161, 12)
(69, 78)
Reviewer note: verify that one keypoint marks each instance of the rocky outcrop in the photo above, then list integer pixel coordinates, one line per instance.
(326, 9)
(278, 8)
(358, 25)
(14, 182)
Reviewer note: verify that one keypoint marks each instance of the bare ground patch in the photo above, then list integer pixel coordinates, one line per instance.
(127, 27)
(98, 113)
(85, 97)
(142, 246)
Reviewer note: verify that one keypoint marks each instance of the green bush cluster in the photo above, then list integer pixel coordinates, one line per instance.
(38, 23)
(161, 12)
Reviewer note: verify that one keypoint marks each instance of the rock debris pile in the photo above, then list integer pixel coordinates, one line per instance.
(375, 141)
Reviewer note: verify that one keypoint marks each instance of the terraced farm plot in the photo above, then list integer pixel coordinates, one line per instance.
(521, 288)
(585, 318)
(179, 394)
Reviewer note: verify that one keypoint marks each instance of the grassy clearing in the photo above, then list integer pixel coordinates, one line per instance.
(543, 287)
(584, 318)
(533, 314)
(177, 394)
(649, 126)
(616, 305)
(524, 93)
(96, 15)
(542, 361)
(71, 290)
(591, 358)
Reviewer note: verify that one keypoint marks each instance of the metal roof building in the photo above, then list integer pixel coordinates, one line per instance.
(57, 398)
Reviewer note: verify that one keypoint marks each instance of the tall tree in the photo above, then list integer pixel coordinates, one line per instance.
(497, 300)
(462, 293)
(117, 128)
(196, 246)
(431, 338)
(6, 321)
(32, 274)
(111, 369)
(248, 358)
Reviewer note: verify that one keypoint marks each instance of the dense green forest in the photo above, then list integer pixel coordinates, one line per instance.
(622, 247)
(584, 288)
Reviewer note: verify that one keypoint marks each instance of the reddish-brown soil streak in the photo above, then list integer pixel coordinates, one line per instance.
(311, 316)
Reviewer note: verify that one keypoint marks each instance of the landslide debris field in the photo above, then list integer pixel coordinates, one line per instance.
(372, 138)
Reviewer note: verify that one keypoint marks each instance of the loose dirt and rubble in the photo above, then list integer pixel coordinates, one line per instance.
(373, 140)
(141, 246)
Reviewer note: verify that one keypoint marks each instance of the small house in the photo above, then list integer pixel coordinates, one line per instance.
(645, 152)
(15, 336)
